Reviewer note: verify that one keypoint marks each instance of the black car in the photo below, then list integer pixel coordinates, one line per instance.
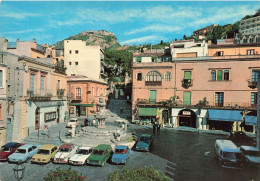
(240, 138)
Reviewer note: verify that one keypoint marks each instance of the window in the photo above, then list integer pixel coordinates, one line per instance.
(78, 93)
(219, 75)
(226, 75)
(70, 51)
(251, 52)
(50, 116)
(167, 76)
(101, 91)
(138, 59)
(255, 76)
(153, 78)
(69, 63)
(76, 63)
(219, 99)
(139, 76)
(32, 79)
(254, 99)
(213, 75)
(187, 76)
(92, 91)
(152, 96)
(187, 98)
(220, 53)
(251, 40)
(58, 85)
(71, 110)
(76, 52)
(1, 78)
(97, 92)
(42, 84)
(154, 59)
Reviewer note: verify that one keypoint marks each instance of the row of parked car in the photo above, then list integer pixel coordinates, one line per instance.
(69, 153)
(238, 151)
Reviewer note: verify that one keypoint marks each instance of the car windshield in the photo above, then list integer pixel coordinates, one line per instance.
(64, 150)
(21, 151)
(43, 152)
(232, 156)
(72, 120)
(120, 151)
(145, 139)
(253, 153)
(4, 149)
(83, 152)
(98, 152)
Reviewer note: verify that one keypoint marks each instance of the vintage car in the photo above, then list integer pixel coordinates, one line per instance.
(66, 151)
(241, 138)
(121, 155)
(81, 156)
(251, 155)
(144, 143)
(72, 121)
(45, 154)
(100, 155)
(8, 149)
(23, 153)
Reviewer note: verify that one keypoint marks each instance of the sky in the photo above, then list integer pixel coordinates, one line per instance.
(132, 22)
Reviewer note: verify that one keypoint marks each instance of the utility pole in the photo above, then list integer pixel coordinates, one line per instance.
(258, 116)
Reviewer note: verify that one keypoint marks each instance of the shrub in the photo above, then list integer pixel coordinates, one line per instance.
(138, 174)
(62, 175)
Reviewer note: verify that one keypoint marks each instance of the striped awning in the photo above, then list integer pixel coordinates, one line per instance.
(147, 111)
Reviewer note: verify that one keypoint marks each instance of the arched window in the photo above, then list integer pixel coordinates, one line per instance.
(167, 76)
(153, 78)
(139, 76)
(258, 39)
(245, 40)
(251, 40)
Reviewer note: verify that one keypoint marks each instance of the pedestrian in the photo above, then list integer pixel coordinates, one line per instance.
(154, 128)
(89, 122)
(158, 128)
(121, 110)
(85, 122)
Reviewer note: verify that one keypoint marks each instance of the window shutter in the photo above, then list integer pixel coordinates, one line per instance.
(219, 75)
(138, 59)
(187, 75)
(1, 78)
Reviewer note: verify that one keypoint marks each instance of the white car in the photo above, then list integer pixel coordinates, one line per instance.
(66, 151)
(73, 121)
(251, 155)
(81, 156)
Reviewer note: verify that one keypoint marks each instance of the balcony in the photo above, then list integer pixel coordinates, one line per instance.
(252, 84)
(186, 83)
(153, 83)
(60, 93)
(74, 98)
(11, 45)
(39, 94)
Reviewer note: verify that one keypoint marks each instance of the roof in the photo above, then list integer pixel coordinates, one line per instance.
(235, 45)
(47, 61)
(121, 147)
(11, 144)
(47, 146)
(150, 54)
(26, 146)
(67, 145)
(250, 148)
(145, 135)
(102, 147)
(227, 145)
(85, 148)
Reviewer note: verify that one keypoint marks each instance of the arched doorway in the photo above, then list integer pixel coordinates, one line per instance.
(187, 117)
(58, 113)
(37, 118)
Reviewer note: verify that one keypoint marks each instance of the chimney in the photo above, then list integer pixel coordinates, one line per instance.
(34, 40)
(17, 40)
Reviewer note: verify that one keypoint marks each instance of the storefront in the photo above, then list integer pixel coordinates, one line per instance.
(147, 115)
(76, 109)
(250, 123)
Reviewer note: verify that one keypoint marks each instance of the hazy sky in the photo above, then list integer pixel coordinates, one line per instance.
(132, 22)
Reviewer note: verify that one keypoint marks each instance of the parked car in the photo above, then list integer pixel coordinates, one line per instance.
(240, 138)
(66, 151)
(8, 149)
(100, 155)
(228, 154)
(72, 121)
(23, 153)
(121, 154)
(45, 154)
(144, 143)
(81, 156)
(251, 155)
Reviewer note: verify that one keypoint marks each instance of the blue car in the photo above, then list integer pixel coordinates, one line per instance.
(23, 153)
(121, 155)
(144, 143)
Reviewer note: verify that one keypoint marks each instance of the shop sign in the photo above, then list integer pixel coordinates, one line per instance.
(186, 113)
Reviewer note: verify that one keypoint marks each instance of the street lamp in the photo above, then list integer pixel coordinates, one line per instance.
(19, 171)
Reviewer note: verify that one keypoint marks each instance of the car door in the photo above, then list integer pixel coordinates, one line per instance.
(34, 150)
(128, 152)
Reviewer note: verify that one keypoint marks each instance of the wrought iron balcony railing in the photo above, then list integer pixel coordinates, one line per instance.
(252, 83)
(153, 83)
(186, 83)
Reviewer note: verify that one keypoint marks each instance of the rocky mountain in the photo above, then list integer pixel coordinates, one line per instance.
(105, 39)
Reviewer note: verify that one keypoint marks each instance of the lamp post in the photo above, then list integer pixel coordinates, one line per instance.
(19, 171)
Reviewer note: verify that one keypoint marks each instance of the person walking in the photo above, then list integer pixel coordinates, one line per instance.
(158, 128)
(121, 110)
(154, 128)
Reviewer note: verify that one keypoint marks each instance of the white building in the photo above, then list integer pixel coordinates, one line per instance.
(250, 30)
(81, 59)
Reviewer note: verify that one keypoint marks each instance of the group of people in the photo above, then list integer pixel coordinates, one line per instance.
(156, 126)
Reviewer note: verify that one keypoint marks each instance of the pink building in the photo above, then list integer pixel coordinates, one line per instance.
(201, 92)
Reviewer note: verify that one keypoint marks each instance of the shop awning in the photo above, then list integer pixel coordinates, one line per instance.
(251, 120)
(147, 111)
(49, 104)
(85, 105)
(225, 115)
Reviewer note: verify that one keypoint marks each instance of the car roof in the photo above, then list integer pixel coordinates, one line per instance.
(26, 146)
(73, 118)
(121, 147)
(145, 135)
(67, 145)
(102, 147)
(227, 146)
(85, 148)
(250, 148)
(9, 145)
(47, 146)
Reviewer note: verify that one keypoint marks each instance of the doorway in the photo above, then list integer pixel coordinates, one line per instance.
(187, 117)
(58, 114)
(37, 118)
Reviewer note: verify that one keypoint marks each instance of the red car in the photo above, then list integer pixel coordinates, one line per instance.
(8, 149)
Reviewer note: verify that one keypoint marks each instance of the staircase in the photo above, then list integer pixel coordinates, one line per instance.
(115, 105)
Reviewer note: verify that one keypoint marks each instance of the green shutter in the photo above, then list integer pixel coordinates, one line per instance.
(147, 111)
(187, 75)
(152, 97)
(187, 98)
(138, 59)
(219, 75)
